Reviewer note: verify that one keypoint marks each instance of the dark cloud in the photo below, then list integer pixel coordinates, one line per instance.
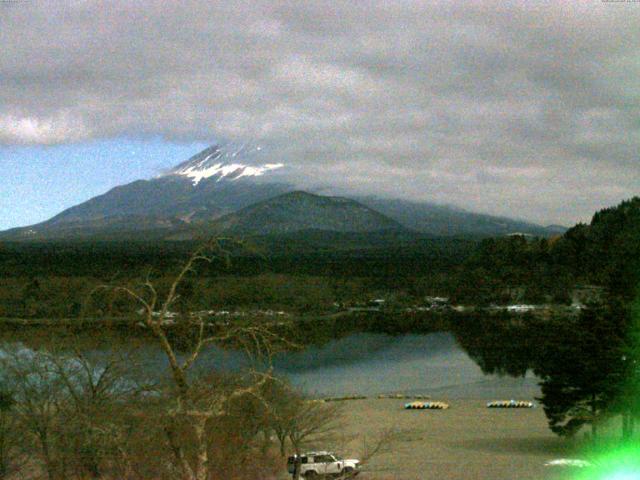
(520, 108)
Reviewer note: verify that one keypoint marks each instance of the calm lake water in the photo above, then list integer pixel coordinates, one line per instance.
(368, 364)
(371, 364)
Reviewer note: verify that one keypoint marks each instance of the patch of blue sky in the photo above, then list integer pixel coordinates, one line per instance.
(40, 181)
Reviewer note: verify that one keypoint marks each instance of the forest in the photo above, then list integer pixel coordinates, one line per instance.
(307, 274)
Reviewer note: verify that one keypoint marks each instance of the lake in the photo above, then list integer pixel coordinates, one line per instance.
(374, 363)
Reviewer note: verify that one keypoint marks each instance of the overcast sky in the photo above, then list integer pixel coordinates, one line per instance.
(528, 109)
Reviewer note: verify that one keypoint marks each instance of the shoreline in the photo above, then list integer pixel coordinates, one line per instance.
(466, 441)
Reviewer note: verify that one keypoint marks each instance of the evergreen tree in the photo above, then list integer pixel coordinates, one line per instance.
(583, 369)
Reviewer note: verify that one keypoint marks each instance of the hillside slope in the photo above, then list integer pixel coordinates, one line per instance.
(444, 220)
(298, 210)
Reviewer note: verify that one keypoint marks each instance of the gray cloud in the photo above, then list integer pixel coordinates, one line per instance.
(520, 108)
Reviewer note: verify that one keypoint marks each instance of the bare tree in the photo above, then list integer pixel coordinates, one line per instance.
(38, 395)
(300, 421)
(194, 404)
(320, 423)
(379, 445)
(92, 416)
(8, 434)
(313, 423)
(373, 448)
(66, 409)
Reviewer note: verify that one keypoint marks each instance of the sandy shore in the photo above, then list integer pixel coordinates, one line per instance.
(467, 441)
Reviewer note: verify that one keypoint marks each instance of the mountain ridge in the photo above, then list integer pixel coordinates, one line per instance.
(196, 193)
(447, 220)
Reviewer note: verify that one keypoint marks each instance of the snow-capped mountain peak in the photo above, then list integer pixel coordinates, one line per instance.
(221, 162)
(232, 171)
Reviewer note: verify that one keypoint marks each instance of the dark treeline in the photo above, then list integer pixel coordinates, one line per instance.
(605, 253)
(311, 272)
(589, 364)
(54, 279)
(105, 259)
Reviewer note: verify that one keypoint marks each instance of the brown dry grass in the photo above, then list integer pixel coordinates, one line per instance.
(467, 441)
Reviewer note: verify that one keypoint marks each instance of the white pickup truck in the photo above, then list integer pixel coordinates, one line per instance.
(323, 465)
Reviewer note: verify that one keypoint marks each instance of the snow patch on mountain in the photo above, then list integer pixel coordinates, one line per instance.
(211, 163)
(233, 171)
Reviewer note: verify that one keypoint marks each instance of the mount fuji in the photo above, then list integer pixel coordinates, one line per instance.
(220, 164)
(217, 181)
(225, 188)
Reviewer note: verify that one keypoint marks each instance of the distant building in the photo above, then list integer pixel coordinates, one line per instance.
(377, 302)
(437, 303)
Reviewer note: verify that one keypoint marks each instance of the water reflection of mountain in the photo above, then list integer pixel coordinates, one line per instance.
(370, 364)
(364, 364)
(360, 347)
